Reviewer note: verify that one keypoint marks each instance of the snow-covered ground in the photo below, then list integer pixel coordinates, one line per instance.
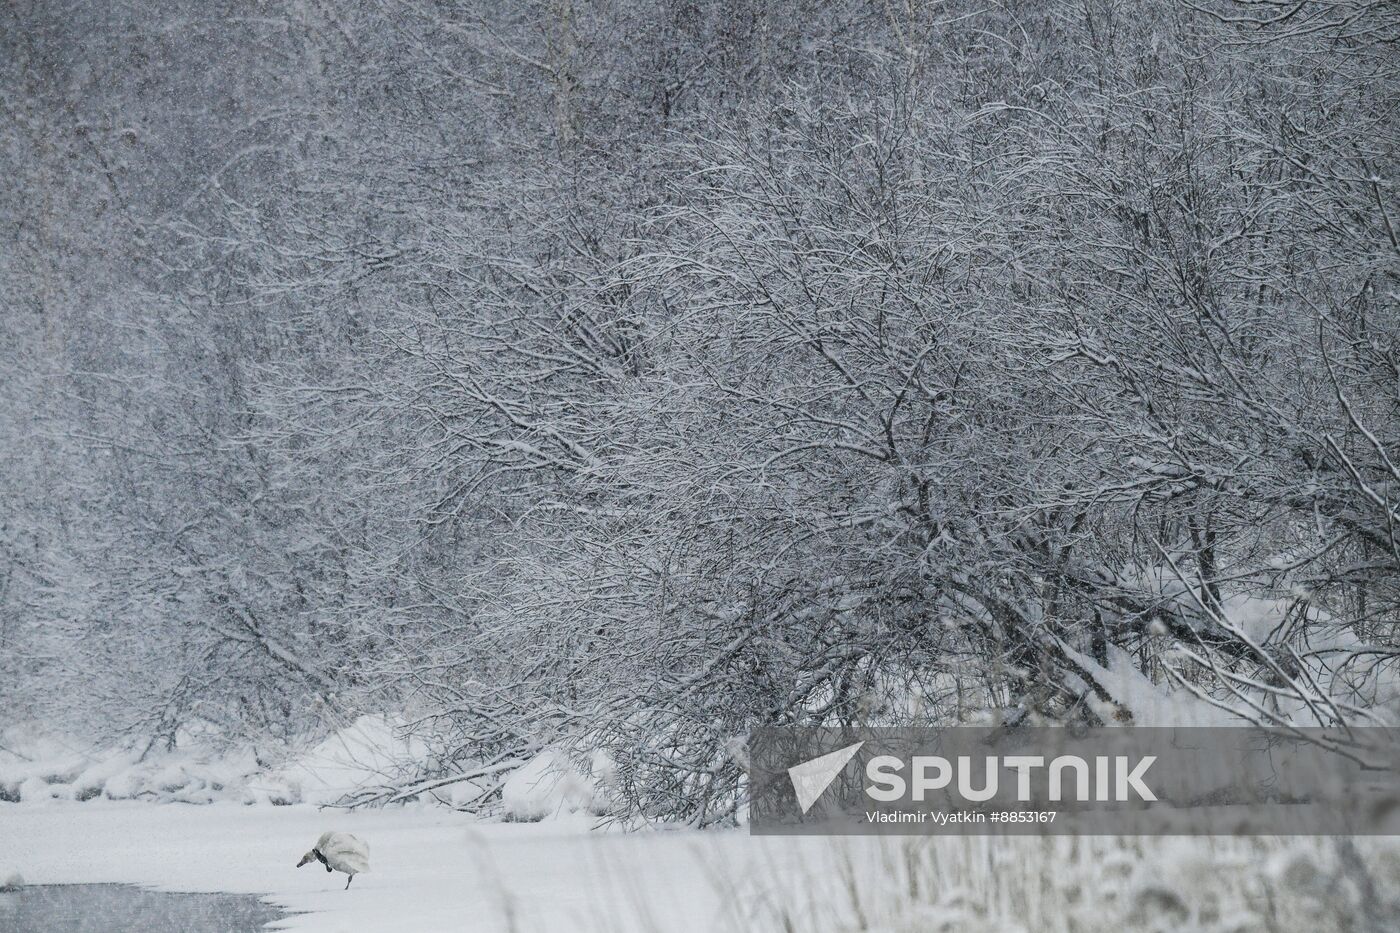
(194, 820)
(433, 869)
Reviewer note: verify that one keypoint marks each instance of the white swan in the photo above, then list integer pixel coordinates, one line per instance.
(340, 852)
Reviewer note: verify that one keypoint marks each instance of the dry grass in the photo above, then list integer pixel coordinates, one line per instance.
(1077, 885)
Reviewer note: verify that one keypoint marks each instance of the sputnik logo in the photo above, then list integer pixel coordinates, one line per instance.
(811, 778)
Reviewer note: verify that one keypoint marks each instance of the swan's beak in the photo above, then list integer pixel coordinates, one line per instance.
(308, 857)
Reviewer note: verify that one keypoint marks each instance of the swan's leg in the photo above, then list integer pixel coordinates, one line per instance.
(347, 882)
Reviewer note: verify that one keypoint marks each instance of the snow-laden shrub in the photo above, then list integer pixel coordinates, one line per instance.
(547, 786)
(367, 752)
(370, 752)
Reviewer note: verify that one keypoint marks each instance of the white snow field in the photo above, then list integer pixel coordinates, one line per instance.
(433, 869)
(203, 822)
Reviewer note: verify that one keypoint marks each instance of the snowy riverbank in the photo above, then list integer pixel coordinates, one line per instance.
(434, 869)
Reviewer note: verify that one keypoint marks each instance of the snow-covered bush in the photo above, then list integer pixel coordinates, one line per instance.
(370, 753)
(869, 364)
(550, 785)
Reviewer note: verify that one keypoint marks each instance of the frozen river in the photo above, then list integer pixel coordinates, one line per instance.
(104, 908)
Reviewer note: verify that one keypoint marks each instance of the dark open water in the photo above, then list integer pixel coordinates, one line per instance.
(118, 908)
